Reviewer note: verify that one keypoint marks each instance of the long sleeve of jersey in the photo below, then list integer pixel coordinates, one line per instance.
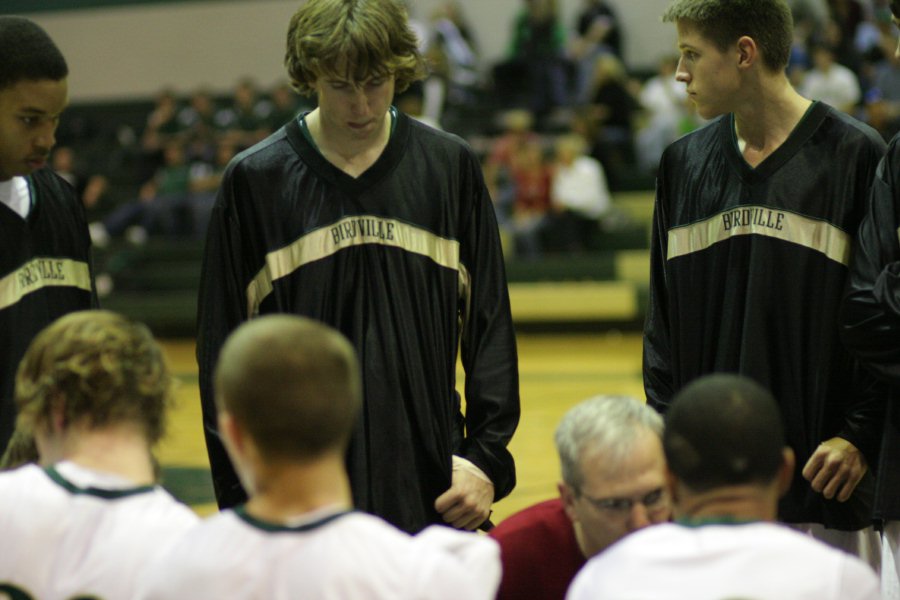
(870, 318)
(488, 352)
(657, 358)
(219, 312)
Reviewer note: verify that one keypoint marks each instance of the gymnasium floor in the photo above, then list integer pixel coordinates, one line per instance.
(556, 372)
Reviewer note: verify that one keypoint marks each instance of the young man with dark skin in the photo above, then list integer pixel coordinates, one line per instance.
(45, 262)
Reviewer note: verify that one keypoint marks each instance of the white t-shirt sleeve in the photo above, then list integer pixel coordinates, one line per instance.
(478, 556)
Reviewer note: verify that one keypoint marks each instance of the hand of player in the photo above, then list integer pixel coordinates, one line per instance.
(835, 469)
(467, 504)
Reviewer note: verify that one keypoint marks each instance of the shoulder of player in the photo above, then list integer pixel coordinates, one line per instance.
(699, 142)
(853, 130)
(48, 183)
(436, 140)
(260, 154)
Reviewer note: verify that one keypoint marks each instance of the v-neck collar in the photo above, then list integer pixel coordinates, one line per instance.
(807, 126)
(310, 154)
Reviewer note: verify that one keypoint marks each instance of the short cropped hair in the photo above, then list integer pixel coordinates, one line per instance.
(28, 53)
(354, 40)
(292, 383)
(606, 424)
(723, 430)
(105, 368)
(723, 22)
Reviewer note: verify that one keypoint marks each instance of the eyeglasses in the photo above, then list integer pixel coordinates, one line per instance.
(653, 501)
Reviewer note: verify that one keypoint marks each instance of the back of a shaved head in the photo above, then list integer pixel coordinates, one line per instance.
(292, 383)
(721, 430)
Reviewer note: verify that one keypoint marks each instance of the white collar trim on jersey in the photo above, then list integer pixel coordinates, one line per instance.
(15, 194)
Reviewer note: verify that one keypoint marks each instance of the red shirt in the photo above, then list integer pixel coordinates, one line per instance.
(539, 552)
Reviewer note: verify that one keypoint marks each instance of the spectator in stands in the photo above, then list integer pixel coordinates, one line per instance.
(613, 109)
(728, 464)
(90, 189)
(538, 44)
(598, 31)
(530, 176)
(579, 195)
(831, 34)
(205, 180)
(665, 104)
(518, 131)
(613, 483)
(244, 121)
(159, 207)
(285, 105)
(162, 122)
(830, 82)
(453, 53)
(197, 121)
(800, 61)
(848, 15)
(882, 101)
(92, 390)
(288, 391)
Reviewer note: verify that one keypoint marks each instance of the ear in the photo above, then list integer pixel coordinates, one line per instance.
(56, 422)
(747, 51)
(232, 435)
(786, 472)
(567, 495)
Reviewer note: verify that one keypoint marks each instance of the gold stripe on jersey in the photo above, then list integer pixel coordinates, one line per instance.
(811, 233)
(346, 233)
(39, 273)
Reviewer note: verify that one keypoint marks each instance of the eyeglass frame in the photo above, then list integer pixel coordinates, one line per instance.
(625, 505)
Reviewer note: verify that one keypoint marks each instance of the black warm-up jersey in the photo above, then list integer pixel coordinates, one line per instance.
(748, 266)
(871, 316)
(405, 260)
(45, 272)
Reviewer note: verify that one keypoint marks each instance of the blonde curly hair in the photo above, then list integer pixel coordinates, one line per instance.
(101, 367)
(352, 39)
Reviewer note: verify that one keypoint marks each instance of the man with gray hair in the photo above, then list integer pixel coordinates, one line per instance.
(613, 483)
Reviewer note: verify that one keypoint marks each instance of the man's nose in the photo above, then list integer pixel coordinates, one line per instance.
(638, 518)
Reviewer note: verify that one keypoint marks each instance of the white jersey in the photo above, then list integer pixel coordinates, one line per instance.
(762, 561)
(328, 556)
(67, 532)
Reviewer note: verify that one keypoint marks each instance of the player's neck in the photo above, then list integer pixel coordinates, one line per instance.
(353, 155)
(740, 502)
(766, 118)
(284, 491)
(116, 450)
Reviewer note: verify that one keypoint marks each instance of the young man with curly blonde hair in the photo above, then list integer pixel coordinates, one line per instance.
(92, 390)
(355, 215)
